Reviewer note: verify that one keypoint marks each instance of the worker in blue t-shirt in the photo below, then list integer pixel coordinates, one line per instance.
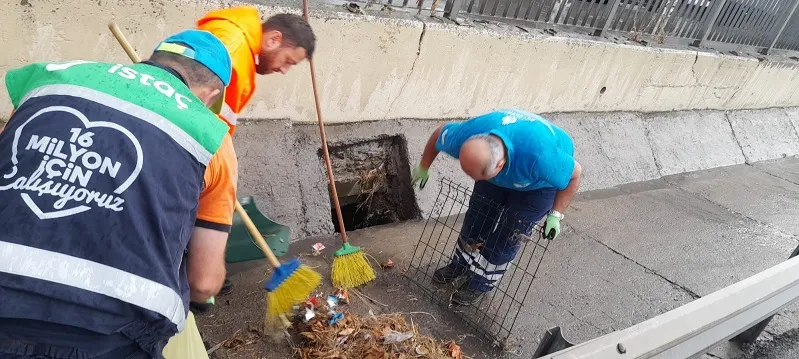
(524, 169)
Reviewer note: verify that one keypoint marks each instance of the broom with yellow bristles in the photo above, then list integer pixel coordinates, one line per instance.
(292, 282)
(350, 267)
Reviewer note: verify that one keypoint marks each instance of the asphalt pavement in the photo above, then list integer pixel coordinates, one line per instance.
(785, 346)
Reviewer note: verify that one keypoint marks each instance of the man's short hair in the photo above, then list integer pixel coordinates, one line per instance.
(296, 31)
(496, 152)
(195, 73)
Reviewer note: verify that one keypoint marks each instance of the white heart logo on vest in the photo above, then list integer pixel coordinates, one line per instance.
(67, 166)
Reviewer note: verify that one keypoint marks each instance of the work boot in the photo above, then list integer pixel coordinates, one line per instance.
(227, 287)
(448, 273)
(466, 296)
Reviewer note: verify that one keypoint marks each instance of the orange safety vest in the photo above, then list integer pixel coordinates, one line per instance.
(240, 29)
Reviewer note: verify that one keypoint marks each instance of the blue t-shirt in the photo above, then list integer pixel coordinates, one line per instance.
(540, 154)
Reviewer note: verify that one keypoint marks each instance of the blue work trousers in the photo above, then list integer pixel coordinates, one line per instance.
(489, 239)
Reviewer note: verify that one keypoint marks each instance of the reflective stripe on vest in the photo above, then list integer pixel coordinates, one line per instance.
(93, 277)
(227, 113)
(182, 138)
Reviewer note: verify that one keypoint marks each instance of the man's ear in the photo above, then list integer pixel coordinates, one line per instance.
(206, 95)
(273, 39)
(500, 164)
(213, 94)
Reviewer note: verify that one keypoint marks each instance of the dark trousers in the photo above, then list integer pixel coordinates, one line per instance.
(28, 339)
(25, 350)
(489, 238)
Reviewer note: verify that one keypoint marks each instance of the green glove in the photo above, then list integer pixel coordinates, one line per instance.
(420, 175)
(551, 227)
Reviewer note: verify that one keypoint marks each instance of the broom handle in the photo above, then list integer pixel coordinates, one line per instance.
(124, 42)
(324, 139)
(257, 235)
(244, 216)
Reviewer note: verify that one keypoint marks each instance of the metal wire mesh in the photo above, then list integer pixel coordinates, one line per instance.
(495, 313)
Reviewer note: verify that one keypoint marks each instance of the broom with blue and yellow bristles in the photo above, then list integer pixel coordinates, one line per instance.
(350, 267)
(291, 283)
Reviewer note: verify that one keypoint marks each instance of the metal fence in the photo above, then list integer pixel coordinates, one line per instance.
(482, 236)
(789, 39)
(723, 24)
(759, 23)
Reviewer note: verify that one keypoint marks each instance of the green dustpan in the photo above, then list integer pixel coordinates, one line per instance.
(240, 245)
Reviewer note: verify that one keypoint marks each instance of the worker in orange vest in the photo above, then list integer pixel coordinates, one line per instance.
(273, 46)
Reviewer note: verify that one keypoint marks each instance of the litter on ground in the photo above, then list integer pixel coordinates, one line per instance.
(335, 334)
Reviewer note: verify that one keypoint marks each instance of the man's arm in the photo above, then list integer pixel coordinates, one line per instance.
(564, 197)
(206, 263)
(430, 151)
(206, 250)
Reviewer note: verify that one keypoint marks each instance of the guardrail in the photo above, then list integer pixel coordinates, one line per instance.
(739, 312)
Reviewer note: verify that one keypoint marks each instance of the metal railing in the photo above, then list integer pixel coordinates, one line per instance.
(720, 24)
(418, 5)
(789, 40)
(725, 24)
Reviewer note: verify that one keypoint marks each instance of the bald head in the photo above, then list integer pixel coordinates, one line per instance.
(482, 157)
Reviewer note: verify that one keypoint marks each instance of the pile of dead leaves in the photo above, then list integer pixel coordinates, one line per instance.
(373, 337)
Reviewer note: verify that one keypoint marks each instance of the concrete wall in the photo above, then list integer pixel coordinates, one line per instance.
(375, 68)
(288, 178)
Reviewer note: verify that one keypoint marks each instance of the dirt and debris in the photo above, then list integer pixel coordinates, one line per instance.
(388, 264)
(343, 296)
(239, 340)
(240, 315)
(317, 249)
(335, 334)
(382, 336)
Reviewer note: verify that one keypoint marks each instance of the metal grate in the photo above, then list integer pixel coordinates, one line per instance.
(495, 314)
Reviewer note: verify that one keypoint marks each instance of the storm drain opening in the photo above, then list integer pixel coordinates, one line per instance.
(373, 183)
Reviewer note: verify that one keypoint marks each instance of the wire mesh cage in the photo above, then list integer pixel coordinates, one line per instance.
(475, 236)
